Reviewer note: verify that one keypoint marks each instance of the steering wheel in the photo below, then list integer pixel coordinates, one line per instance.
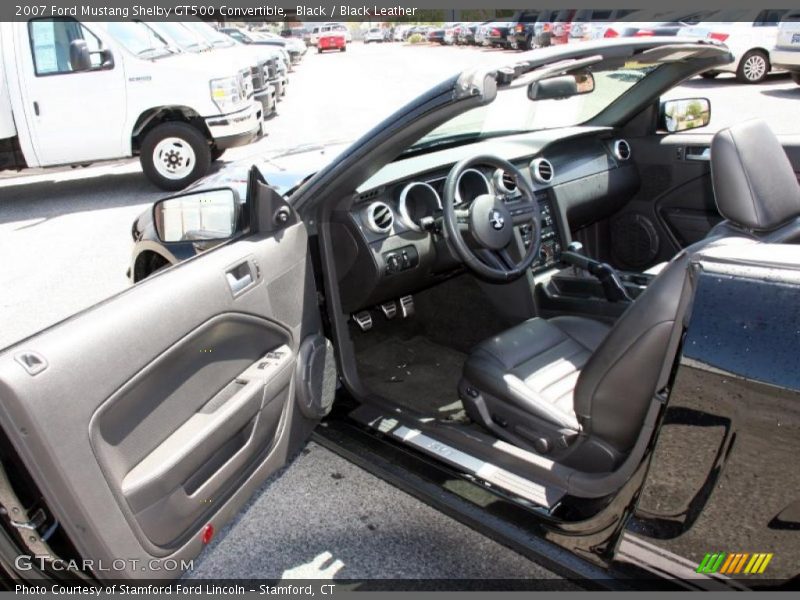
(482, 233)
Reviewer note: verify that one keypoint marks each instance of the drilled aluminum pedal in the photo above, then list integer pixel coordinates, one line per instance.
(363, 320)
(389, 309)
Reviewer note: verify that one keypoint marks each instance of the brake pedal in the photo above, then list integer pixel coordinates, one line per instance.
(407, 306)
(389, 309)
(363, 320)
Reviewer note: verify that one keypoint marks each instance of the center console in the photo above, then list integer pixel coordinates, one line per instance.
(550, 250)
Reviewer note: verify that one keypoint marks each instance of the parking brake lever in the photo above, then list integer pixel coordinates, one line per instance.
(613, 288)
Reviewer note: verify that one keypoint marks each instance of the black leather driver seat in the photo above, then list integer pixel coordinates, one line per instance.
(548, 383)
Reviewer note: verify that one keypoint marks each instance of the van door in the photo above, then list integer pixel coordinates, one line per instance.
(72, 116)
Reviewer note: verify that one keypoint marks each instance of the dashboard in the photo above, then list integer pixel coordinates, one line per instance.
(388, 236)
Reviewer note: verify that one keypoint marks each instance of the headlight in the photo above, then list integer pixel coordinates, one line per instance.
(227, 92)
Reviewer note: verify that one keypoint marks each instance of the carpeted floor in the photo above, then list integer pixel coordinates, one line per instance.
(415, 372)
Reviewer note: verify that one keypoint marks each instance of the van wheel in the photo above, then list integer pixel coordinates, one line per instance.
(174, 154)
(216, 153)
(753, 67)
(709, 75)
(343, 49)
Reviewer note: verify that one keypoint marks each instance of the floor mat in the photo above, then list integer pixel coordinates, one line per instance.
(416, 373)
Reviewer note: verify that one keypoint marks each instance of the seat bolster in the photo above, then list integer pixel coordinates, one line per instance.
(491, 378)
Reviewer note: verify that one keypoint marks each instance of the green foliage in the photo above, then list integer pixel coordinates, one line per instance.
(416, 38)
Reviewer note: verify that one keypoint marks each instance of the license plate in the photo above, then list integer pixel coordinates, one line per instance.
(795, 38)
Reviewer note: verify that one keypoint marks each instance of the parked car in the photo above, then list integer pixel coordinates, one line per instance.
(591, 24)
(373, 35)
(277, 67)
(342, 28)
(749, 33)
(654, 23)
(786, 53)
(400, 33)
(47, 118)
(524, 28)
(331, 40)
(560, 27)
(436, 35)
(290, 56)
(500, 34)
(464, 34)
(189, 40)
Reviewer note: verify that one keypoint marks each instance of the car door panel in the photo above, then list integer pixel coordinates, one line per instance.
(162, 409)
(677, 196)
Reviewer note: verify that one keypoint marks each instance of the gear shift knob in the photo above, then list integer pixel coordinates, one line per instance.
(575, 247)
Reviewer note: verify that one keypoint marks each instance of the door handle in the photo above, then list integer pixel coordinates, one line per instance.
(702, 153)
(36, 108)
(240, 277)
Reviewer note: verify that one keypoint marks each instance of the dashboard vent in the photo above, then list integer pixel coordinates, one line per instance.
(369, 195)
(622, 150)
(509, 182)
(380, 217)
(542, 170)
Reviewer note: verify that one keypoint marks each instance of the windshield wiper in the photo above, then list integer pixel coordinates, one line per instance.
(159, 49)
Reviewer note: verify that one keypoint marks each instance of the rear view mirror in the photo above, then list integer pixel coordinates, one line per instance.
(197, 216)
(563, 86)
(80, 59)
(685, 114)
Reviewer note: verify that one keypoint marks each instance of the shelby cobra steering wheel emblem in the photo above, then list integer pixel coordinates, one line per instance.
(496, 219)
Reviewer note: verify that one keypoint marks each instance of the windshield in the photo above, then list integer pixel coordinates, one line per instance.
(139, 39)
(513, 112)
(209, 34)
(181, 35)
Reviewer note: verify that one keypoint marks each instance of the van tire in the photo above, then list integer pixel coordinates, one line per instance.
(216, 153)
(189, 144)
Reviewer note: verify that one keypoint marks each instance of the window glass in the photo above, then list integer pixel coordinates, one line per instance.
(50, 43)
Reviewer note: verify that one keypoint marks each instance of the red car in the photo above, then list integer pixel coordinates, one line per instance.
(332, 40)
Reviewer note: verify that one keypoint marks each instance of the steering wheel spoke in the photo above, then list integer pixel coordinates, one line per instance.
(462, 219)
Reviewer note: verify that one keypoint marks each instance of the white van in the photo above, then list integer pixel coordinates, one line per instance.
(76, 93)
(189, 40)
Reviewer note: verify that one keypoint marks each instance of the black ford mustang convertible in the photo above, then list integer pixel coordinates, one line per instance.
(530, 297)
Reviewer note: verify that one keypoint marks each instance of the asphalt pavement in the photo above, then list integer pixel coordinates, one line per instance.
(323, 517)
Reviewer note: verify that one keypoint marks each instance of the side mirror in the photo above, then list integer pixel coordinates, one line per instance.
(80, 59)
(685, 114)
(563, 86)
(197, 216)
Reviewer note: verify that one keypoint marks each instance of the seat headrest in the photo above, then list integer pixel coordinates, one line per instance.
(754, 183)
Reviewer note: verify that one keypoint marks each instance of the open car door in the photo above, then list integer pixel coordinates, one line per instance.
(150, 418)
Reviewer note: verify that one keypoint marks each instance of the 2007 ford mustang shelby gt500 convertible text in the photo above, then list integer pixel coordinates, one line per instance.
(529, 281)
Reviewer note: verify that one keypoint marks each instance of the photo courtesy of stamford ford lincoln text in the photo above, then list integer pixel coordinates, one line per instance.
(357, 299)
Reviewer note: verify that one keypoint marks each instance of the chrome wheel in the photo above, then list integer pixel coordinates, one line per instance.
(173, 158)
(754, 67)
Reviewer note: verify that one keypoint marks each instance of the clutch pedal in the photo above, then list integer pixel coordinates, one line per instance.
(407, 306)
(389, 309)
(363, 319)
